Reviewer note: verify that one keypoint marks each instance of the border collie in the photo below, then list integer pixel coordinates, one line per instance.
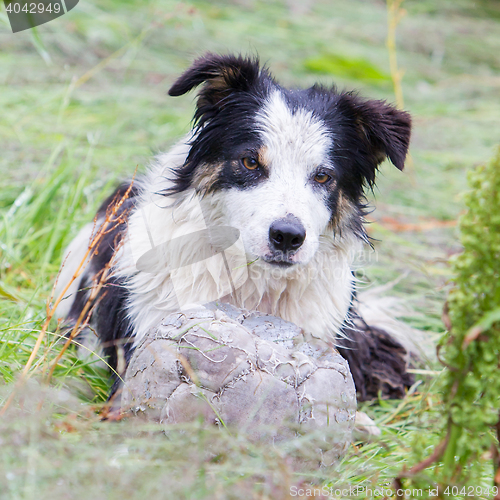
(261, 206)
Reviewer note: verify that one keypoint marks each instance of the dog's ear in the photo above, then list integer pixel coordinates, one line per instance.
(222, 75)
(384, 130)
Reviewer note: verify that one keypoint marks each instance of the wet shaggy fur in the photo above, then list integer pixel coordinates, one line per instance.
(272, 180)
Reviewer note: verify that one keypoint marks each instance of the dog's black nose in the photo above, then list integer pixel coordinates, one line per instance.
(287, 234)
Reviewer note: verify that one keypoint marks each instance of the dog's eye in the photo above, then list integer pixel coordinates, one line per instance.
(250, 163)
(321, 177)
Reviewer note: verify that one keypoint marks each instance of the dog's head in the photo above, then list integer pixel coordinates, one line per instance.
(288, 165)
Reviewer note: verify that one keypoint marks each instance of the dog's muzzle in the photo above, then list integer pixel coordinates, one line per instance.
(286, 236)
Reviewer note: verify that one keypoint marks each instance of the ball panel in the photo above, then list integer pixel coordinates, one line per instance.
(188, 403)
(152, 376)
(261, 405)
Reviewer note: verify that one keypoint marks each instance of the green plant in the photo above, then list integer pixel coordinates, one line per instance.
(472, 349)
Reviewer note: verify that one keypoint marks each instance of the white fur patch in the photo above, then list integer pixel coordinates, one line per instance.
(73, 257)
(295, 145)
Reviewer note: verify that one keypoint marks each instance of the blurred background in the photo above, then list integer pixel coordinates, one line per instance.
(84, 103)
(89, 89)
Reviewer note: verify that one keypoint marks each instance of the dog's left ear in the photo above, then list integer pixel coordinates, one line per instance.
(222, 75)
(384, 130)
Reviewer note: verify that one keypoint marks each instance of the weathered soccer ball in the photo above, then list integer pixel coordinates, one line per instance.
(244, 370)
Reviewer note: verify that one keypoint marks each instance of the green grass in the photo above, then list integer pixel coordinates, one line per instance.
(83, 103)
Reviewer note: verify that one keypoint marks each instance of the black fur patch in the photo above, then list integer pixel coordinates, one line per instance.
(377, 361)
(112, 324)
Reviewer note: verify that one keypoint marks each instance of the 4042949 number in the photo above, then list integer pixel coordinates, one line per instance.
(470, 491)
(33, 8)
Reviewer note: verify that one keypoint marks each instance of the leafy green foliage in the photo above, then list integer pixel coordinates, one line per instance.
(350, 68)
(472, 383)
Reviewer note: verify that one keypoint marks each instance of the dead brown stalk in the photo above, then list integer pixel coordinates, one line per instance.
(394, 15)
(113, 218)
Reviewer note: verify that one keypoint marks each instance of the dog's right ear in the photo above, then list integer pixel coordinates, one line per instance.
(222, 75)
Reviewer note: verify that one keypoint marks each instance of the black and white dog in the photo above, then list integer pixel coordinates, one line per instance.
(261, 206)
